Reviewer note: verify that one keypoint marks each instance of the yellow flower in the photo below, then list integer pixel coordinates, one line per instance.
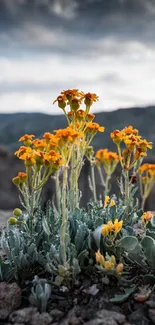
(92, 127)
(113, 259)
(99, 258)
(119, 268)
(108, 265)
(105, 230)
(112, 203)
(130, 130)
(117, 225)
(144, 145)
(110, 226)
(146, 217)
(106, 201)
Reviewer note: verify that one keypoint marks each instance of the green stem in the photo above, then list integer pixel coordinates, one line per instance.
(93, 182)
(58, 196)
(107, 185)
(64, 216)
(127, 189)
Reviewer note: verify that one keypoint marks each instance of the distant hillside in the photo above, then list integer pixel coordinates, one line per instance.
(13, 126)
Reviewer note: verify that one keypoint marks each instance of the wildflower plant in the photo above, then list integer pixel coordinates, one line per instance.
(146, 173)
(112, 236)
(131, 149)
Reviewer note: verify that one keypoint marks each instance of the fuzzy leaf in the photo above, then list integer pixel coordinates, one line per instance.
(123, 297)
(148, 245)
(46, 226)
(129, 243)
(97, 236)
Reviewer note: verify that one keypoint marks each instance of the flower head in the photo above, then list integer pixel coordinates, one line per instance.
(146, 217)
(27, 139)
(99, 258)
(117, 136)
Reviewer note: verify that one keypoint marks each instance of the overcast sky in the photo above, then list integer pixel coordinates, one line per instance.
(101, 46)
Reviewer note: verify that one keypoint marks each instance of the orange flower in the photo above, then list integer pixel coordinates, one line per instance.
(70, 93)
(139, 154)
(89, 98)
(105, 156)
(80, 114)
(117, 136)
(22, 176)
(47, 136)
(130, 130)
(92, 127)
(119, 268)
(146, 217)
(27, 139)
(22, 150)
(52, 158)
(99, 258)
(90, 117)
(75, 103)
(144, 145)
(39, 144)
(61, 101)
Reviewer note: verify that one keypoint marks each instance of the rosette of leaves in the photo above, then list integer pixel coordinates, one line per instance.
(40, 293)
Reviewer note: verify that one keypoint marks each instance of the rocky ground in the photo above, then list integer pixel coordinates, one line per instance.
(4, 216)
(86, 308)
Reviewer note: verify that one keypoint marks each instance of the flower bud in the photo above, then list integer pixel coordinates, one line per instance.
(12, 221)
(108, 265)
(16, 180)
(119, 268)
(17, 212)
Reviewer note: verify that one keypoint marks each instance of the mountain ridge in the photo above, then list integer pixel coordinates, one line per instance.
(14, 125)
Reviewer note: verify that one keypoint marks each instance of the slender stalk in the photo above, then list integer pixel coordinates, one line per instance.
(58, 192)
(127, 189)
(93, 182)
(101, 175)
(107, 185)
(64, 216)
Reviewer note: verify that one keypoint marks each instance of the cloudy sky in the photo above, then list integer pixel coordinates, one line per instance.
(101, 46)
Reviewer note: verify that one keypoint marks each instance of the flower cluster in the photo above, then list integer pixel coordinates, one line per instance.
(112, 228)
(108, 202)
(108, 159)
(109, 263)
(74, 98)
(134, 145)
(147, 179)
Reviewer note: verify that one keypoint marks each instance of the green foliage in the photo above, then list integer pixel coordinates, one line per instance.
(40, 293)
(123, 297)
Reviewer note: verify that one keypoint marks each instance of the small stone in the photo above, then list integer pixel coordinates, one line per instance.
(106, 317)
(56, 313)
(41, 319)
(151, 313)
(10, 299)
(150, 303)
(23, 315)
(137, 316)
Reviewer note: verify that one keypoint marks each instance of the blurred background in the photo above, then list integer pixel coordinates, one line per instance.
(102, 46)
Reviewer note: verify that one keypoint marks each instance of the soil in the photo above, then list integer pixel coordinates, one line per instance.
(85, 302)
